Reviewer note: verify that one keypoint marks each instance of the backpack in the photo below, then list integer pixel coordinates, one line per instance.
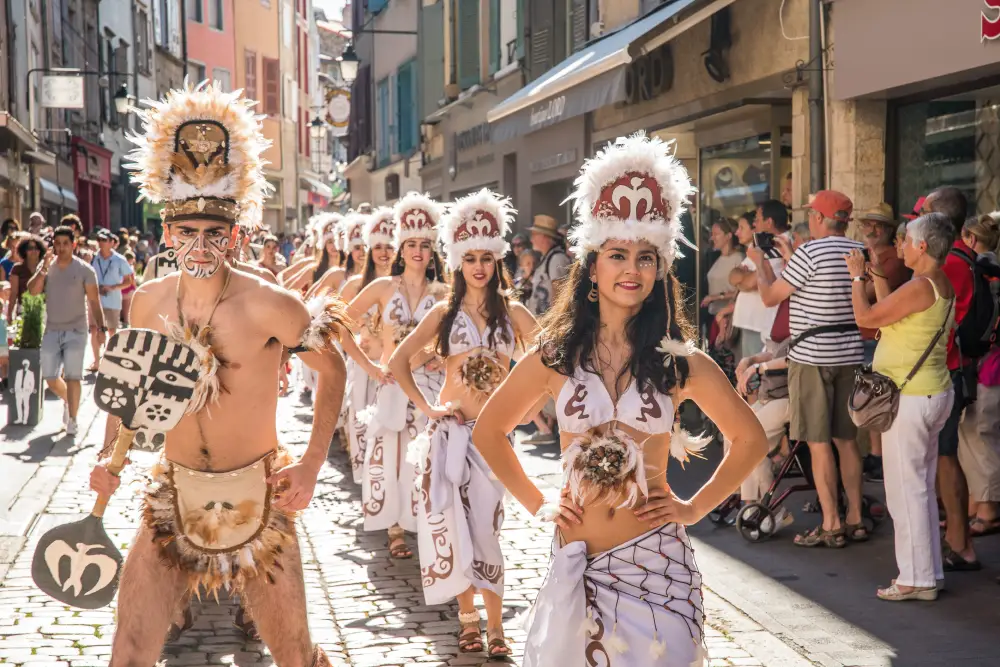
(977, 330)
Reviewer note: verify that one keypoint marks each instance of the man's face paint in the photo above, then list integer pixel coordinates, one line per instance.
(201, 246)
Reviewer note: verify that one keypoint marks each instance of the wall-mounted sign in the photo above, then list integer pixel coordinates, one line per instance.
(62, 92)
(338, 110)
(553, 161)
(549, 112)
(474, 136)
(990, 26)
(650, 75)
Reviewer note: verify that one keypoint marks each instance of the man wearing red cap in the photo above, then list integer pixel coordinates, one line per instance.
(826, 350)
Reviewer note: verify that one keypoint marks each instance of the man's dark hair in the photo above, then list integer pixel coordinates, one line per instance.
(64, 230)
(952, 202)
(777, 212)
(9, 226)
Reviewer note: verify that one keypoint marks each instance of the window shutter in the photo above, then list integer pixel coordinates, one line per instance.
(375, 6)
(468, 43)
(272, 87)
(405, 107)
(250, 76)
(578, 24)
(521, 9)
(542, 18)
(495, 45)
(383, 140)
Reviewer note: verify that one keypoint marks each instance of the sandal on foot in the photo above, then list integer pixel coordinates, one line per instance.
(497, 649)
(894, 594)
(470, 636)
(244, 624)
(399, 549)
(979, 527)
(953, 562)
(856, 532)
(175, 631)
(817, 537)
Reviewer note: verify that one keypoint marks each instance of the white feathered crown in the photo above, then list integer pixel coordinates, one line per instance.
(200, 154)
(480, 221)
(379, 228)
(633, 189)
(416, 217)
(352, 231)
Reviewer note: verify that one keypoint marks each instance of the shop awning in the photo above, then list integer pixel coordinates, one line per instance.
(69, 199)
(594, 76)
(54, 195)
(314, 185)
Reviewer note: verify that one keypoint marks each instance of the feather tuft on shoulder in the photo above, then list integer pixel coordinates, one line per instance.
(327, 313)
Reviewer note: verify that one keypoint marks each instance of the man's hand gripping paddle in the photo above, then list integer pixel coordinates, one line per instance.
(146, 380)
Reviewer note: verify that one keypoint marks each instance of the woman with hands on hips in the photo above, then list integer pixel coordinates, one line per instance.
(616, 380)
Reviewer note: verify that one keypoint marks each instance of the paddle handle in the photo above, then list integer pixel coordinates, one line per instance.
(115, 465)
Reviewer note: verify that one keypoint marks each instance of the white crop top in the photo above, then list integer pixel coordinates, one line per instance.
(584, 404)
(466, 337)
(397, 311)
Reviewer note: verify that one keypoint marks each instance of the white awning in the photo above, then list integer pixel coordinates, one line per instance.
(51, 193)
(69, 199)
(316, 186)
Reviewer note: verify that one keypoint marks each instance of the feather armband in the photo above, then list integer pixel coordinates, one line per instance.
(327, 314)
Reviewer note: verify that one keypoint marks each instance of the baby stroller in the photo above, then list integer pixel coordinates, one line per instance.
(756, 521)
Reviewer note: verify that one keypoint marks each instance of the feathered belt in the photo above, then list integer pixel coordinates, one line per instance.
(218, 527)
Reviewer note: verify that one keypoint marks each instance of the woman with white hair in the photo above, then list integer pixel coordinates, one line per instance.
(912, 352)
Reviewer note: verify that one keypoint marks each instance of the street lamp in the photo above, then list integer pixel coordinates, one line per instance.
(349, 64)
(123, 101)
(317, 128)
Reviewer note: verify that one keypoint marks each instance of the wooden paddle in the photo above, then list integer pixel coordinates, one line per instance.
(147, 381)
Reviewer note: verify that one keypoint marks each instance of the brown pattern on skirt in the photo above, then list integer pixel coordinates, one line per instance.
(463, 493)
(488, 572)
(595, 647)
(376, 477)
(444, 561)
(498, 518)
(423, 494)
(360, 433)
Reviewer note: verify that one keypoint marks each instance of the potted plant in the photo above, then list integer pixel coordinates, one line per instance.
(26, 384)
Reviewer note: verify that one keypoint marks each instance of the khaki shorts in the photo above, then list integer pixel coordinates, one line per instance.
(112, 318)
(818, 397)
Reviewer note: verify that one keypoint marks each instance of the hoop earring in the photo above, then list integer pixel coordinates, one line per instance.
(592, 296)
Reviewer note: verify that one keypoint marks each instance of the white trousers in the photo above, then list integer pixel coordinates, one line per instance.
(773, 416)
(909, 462)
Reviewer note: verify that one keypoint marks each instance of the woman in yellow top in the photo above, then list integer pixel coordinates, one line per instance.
(909, 320)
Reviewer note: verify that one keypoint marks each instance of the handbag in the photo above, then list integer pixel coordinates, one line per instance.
(780, 330)
(874, 400)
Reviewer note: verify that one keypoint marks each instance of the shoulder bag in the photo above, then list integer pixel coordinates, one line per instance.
(874, 401)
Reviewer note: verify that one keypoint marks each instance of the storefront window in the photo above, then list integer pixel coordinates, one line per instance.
(953, 141)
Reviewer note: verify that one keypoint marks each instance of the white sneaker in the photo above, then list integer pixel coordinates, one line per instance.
(71, 427)
(783, 519)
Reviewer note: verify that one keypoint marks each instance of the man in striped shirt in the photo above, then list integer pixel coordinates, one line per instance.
(826, 350)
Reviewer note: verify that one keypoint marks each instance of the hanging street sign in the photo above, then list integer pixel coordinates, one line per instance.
(62, 92)
(338, 110)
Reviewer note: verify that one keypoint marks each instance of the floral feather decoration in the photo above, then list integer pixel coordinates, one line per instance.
(208, 387)
(230, 169)
(481, 373)
(605, 468)
(327, 314)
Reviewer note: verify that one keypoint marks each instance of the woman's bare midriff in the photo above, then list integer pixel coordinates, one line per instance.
(454, 390)
(605, 527)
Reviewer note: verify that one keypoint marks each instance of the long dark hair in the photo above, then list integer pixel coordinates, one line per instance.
(323, 266)
(569, 331)
(435, 269)
(497, 307)
(369, 273)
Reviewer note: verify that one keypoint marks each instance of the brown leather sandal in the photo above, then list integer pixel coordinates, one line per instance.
(245, 624)
(497, 649)
(470, 636)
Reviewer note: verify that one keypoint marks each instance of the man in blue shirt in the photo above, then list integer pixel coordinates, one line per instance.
(113, 275)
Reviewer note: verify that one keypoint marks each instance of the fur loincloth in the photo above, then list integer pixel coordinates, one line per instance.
(219, 528)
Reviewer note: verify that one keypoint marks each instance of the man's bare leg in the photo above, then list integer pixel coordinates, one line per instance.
(850, 476)
(824, 470)
(954, 492)
(72, 397)
(279, 610)
(147, 599)
(58, 387)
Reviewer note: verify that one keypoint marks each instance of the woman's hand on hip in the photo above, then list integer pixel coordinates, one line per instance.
(663, 507)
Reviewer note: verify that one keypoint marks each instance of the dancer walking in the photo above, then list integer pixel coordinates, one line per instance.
(202, 530)
(475, 331)
(301, 277)
(405, 298)
(351, 243)
(623, 588)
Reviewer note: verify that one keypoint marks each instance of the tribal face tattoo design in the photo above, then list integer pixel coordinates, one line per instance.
(201, 247)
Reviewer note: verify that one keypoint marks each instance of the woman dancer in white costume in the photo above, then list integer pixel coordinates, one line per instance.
(475, 331)
(363, 384)
(404, 298)
(351, 243)
(623, 589)
(301, 275)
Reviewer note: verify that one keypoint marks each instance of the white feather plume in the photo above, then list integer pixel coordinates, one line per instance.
(671, 347)
(657, 648)
(352, 231)
(464, 210)
(416, 201)
(379, 228)
(683, 445)
(589, 628)
(416, 454)
(615, 643)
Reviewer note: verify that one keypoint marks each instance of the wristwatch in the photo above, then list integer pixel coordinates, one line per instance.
(104, 330)
(859, 279)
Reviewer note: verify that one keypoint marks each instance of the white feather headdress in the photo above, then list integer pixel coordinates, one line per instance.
(352, 231)
(200, 154)
(480, 221)
(323, 227)
(379, 228)
(417, 217)
(633, 189)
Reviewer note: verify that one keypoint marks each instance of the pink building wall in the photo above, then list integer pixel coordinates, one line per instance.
(210, 47)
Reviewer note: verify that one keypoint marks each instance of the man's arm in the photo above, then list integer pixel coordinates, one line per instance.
(36, 283)
(772, 290)
(94, 300)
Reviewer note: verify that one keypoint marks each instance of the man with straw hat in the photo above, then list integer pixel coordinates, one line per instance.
(550, 242)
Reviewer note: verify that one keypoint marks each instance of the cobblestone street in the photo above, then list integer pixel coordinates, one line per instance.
(364, 608)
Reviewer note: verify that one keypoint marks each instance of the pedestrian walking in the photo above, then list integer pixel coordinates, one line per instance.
(623, 584)
(70, 287)
(114, 274)
(475, 330)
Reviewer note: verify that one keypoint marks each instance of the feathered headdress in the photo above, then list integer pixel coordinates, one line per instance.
(633, 189)
(199, 155)
(417, 217)
(323, 227)
(379, 228)
(352, 231)
(480, 221)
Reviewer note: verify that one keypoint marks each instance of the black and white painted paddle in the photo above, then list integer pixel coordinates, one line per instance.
(146, 380)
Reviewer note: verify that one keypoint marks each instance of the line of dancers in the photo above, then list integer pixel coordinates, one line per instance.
(434, 396)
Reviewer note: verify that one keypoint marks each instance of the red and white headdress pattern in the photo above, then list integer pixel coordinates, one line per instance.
(635, 189)
(324, 228)
(352, 231)
(480, 221)
(380, 228)
(416, 217)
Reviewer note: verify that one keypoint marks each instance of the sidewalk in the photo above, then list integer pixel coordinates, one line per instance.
(364, 609)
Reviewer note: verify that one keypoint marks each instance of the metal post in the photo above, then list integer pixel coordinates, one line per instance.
(817, 146)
